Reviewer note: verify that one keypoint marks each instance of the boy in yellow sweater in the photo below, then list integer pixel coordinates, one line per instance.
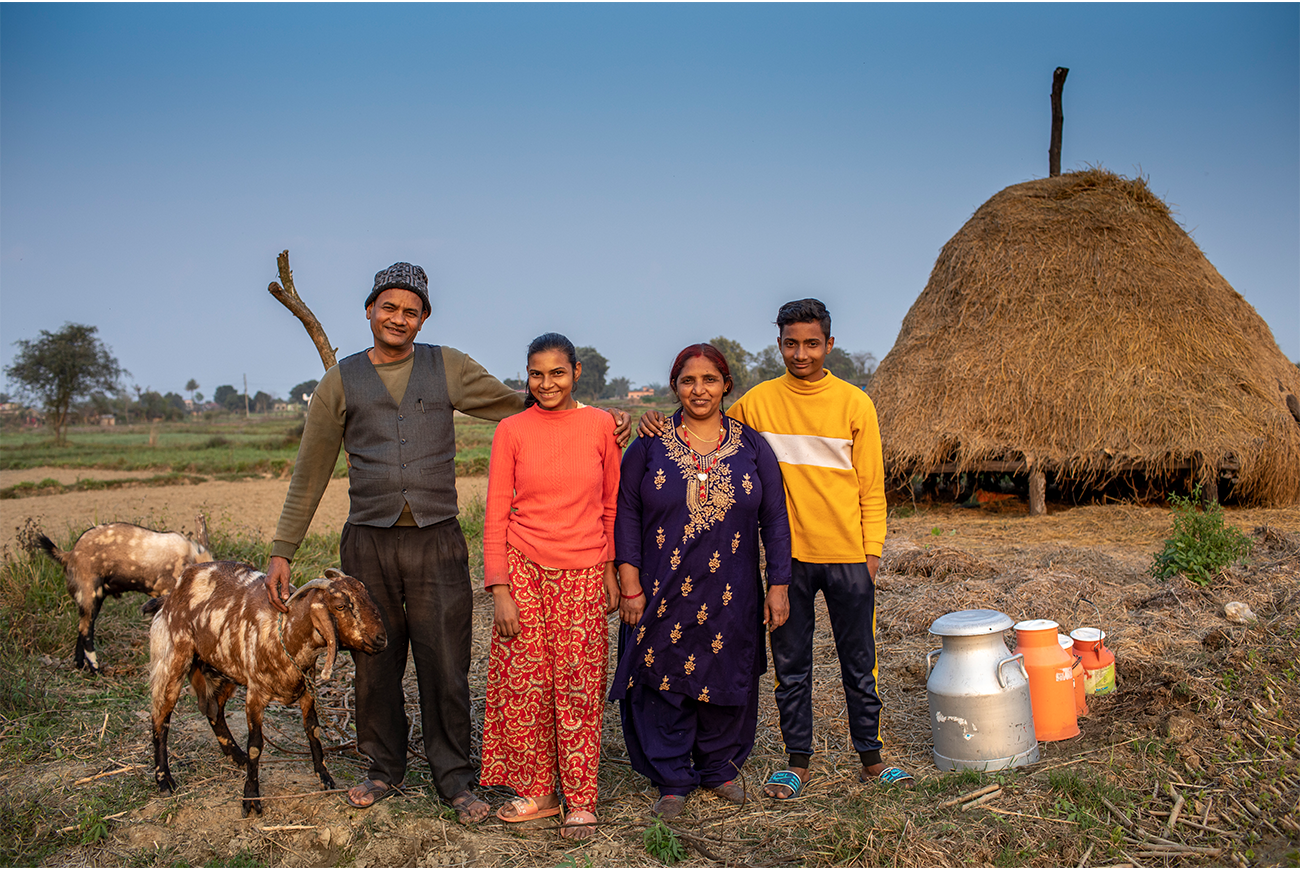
(826, 437)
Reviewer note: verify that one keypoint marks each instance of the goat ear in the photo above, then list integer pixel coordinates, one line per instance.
(324, 623)
(334, 573)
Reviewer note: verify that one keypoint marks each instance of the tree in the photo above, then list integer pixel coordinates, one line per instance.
(190, 386)
(61, 366)
(303, 391)
(768, 363)
(740, 361)
(228, 397)
(262, 401)
(616, 389)
(594, 367)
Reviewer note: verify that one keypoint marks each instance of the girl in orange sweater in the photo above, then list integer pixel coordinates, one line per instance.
(548, 550)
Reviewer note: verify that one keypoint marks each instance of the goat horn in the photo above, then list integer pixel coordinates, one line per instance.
(318, 583)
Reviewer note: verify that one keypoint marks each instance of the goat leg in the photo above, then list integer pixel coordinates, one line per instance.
(254, 707)
(212, 695)
(311, 725)
(162, 774)
(87, 613)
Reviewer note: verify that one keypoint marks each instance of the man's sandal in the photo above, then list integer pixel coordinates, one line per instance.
(669, 806)
(526, 810)
(730, 791)
(464, 802)
(577, 825)
(373, 791)
(784, 779)
(892, 776)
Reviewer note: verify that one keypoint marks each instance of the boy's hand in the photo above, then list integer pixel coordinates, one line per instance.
(873, 567)
(622, 426)
(651, 425)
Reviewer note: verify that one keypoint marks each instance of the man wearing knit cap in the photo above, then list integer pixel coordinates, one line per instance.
(390, 408)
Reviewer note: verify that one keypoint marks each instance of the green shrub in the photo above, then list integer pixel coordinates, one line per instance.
(662, 844)
(1201, 545)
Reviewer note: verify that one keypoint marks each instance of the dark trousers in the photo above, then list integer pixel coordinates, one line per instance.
(419, 578)
(679, 743)
(851, 602)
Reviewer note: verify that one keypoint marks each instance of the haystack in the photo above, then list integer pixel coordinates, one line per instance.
(1071, 326)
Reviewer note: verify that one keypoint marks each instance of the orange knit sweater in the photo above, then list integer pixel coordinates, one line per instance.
(552, 490)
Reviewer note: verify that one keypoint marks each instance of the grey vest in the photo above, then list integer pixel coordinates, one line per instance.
(399, 454)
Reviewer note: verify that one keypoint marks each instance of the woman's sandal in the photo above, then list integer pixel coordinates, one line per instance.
(526, 810)
(374, 790)
(784, 779)
(577, 825)
(669, 806)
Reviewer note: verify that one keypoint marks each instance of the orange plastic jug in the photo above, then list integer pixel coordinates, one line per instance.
(1098, 662)
(1080, 696)
(1051, 680)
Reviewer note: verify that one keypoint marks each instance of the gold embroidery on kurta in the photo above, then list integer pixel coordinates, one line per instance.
(747, 484)
(687, 586)
(640, 634)
(676, 634)
(659, 537)
(703, 696)
(726, 595)
(702, 615)
(719, 495)
(650, 657)
(715, 563)
(663, 605)
(660, 479)
(676, 558)
(655, 590)
(735, 543)
(689, 667)
(663, 684)
(630, 681)
(717, 643)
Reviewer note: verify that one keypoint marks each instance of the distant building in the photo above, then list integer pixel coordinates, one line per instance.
(641, 393)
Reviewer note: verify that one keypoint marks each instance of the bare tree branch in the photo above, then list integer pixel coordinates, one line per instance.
(287, 295)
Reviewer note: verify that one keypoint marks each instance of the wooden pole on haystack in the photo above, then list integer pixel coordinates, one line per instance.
(1058, 120)
(288, 296)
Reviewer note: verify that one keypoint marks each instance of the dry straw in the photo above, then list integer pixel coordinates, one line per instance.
(1072, 325)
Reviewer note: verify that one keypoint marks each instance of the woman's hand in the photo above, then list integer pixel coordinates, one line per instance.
(651, 425)
(776, 607)
(630, 608)
(505, 615)
(611, 589)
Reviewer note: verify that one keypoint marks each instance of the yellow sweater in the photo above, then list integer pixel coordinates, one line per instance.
(827, 439)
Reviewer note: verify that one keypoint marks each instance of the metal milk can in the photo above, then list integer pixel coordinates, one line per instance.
(981, 717)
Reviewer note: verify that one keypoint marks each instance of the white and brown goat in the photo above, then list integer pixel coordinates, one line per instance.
(113, 558)
(218, 628)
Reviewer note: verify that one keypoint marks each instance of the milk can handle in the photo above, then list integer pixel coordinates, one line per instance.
(1018, 657)
(929, 661)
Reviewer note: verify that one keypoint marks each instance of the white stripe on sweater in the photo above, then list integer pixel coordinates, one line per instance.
(811, 450)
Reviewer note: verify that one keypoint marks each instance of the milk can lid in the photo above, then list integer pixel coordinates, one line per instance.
(1065, 641)
(1088, 635)
(1036, 625)
(965, 623)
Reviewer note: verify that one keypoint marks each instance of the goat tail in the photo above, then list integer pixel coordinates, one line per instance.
(44, 543)
(153, 605)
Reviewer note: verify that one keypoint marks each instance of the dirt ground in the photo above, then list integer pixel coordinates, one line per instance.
(247, 504)
(1204, 710)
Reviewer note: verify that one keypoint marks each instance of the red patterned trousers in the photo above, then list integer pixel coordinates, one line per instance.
(546, 685)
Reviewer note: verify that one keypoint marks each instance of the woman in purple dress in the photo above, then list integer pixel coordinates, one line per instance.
(693, 505)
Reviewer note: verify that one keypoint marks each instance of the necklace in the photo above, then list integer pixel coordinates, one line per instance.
(703, 466)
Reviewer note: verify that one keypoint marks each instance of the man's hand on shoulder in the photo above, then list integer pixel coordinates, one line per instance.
(652, 425)
(279, 584)
(622, 425)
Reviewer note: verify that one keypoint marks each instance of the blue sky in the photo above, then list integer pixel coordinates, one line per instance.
(636, 176)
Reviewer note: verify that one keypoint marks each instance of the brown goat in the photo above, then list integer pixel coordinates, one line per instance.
(218, 628)
(114, 558)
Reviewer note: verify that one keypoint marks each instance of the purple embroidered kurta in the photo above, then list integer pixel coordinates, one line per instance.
(701, 634)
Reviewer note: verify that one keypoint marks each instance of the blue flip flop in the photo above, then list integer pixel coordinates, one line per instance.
(790, 780)
(896, 776)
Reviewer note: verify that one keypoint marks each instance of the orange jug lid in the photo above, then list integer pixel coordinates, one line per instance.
(1036, 625)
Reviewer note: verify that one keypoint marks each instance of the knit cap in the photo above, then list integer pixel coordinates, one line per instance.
(405, 276)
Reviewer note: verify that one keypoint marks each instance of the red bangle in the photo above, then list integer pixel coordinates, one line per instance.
(639, 593)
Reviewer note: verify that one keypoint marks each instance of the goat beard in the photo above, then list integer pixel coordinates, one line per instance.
(324, 624)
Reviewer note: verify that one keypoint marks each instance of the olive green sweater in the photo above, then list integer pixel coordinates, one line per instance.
(471, 389)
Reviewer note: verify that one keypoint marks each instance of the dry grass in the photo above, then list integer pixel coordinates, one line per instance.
(1073, 325)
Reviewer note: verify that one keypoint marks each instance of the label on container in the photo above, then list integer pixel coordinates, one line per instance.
(1065, 675)
(1100, 681)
